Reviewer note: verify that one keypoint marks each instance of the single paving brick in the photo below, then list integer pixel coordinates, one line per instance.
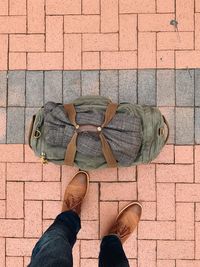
(19, 246)
(187, 263)
(34, 88)
(128, 86)
(3, 88)
(16, 88)
(175, 249)
(147, 87)
(197, 87)
(185, 221)
(90, 82)
(109, 84)
(29, 112)
(15, 202)
(184, 126)
(185, 87)
(89, 230)
(33, 213)
(71, 85)
(197, 125)
(147, 253)
(165, 201)
(53, 86)
(165, 88)
(2, 125)
(156, 230)
(15, 125)
(10, 153)
(11, 228)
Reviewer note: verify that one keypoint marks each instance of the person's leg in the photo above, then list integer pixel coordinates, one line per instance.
(55, 246)
(111, 251)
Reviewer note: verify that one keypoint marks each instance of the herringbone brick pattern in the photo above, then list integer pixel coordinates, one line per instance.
(168, 234)
(145, 52)
(99, 34)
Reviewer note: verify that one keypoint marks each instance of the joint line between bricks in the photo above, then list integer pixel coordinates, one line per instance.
(63, 43)
(194, 120)
(118, 28)
(25, 78)
(80, 75)
(6, 136)
(62, 91)
(45, 27)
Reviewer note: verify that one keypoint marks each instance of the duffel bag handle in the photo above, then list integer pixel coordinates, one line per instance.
(168, 131)
(106, 149)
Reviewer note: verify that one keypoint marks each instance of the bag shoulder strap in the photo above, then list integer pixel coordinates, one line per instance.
(71, 148)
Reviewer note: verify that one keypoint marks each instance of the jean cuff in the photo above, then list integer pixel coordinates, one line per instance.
(111, 237)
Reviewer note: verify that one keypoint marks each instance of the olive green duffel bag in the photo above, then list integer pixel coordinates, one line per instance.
(92, 132)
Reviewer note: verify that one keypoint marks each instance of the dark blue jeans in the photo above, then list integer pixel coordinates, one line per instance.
(54, 249)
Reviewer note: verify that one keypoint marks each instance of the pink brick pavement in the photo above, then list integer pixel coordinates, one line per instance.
(90, 35)
(94, 34)
(168, 188)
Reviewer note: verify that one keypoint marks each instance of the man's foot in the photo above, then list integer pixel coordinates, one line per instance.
(126, 221)
(76, 192)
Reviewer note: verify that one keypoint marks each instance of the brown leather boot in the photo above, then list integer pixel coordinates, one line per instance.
(75, 192)
(126, 221)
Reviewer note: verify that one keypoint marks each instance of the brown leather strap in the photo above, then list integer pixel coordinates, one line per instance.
(88, 128)
(107, 152)
(71, 112)
(71, 148)
(110, 113)
(71, 151)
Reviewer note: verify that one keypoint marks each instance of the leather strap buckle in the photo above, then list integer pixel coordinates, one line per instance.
(37, 134)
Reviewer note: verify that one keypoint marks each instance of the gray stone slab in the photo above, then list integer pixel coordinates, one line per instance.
(147, 87)
(197, 87)
(53, 86)
(90, 82)
(2, 125)
(29, 112)
(71, 85)
(15, 125)
(185, 87)
(165, 88)
(128, 86)
(3, 88)
(169, 113)
(109, 85)
(197, 125)
(184, 126)
(34, 89)
(16, 88)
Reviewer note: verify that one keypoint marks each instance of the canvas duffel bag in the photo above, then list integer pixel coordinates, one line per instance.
(92, 132)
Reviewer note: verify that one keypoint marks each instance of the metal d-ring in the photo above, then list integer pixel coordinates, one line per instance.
(37, 134)
(161, 131)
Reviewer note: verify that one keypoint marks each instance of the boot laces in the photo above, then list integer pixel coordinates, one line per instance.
(72, 200)
(122, 229)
